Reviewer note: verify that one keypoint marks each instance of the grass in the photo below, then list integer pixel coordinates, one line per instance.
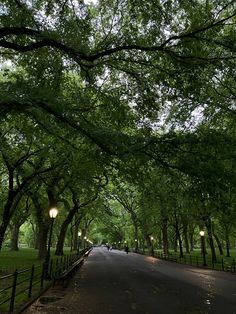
(12, 260)
(195, 258)
(21, 260)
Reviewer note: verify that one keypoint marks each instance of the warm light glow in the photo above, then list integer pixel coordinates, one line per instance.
(79, 233)
(202, 233)
(152, 238)
(135, 240)
(125, 241)
(85, 238)
(53, 212)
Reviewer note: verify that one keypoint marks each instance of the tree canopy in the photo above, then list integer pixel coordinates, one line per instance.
(95, 93)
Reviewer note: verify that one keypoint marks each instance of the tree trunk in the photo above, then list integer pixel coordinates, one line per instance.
(43, 227)
(75, 237)
(178, 236)
(5, 220)
(218, 244)
(180, 241)
(3, 229)
(211, 242)
(36, 238)
(175, 243)
(43, 232)
(136, 238)
(13, 199)
(191, 239)
(165, 237)
(227, 245)
(64, 227)
(15, 237)
(186, 242)
(149, 245)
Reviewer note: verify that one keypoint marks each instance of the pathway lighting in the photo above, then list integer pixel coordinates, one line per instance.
(53, 212)
(152, 239)
(136, 245)
(202, 233)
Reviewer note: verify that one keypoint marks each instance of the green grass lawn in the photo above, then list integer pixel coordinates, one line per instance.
(24, 258)
(195, 258)
(11, 260)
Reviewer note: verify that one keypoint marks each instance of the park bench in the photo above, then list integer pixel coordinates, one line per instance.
(69, 272)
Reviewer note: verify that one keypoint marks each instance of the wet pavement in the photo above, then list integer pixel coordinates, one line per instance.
(113, 282)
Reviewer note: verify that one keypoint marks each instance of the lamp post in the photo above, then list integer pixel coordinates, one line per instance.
(152, 239)
(203, 247)
(79, 235)
(136, 245)
(53, 214)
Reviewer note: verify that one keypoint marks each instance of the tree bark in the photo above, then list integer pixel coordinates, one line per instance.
(15, 229)
(3, 229)
(42, 227)
(227, 245)
(218, 244)
(180, 241)
(178, 236)
(136, 248)
(75, 237)
(165, 237)
(43, 232)
(175, 242)
(191, 239)
(149, 245)
(211, 242)
(64, 227)
(6, 217)
(186, 242)
(36, 238)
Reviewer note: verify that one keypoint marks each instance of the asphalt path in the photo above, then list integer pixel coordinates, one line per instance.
(120, 283)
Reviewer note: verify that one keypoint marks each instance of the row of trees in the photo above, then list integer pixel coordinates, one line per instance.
(129, 103)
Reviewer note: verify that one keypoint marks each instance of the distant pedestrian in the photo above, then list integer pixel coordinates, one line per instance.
(126, 249)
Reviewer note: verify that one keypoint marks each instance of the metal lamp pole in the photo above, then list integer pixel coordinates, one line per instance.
(152, 239)
(203, 247)
(53, 214)
(136, 245)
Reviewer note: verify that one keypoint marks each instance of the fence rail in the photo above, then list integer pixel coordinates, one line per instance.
(21, 285)
(194, 260)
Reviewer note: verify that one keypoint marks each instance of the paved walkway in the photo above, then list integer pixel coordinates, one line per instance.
(116, 283)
